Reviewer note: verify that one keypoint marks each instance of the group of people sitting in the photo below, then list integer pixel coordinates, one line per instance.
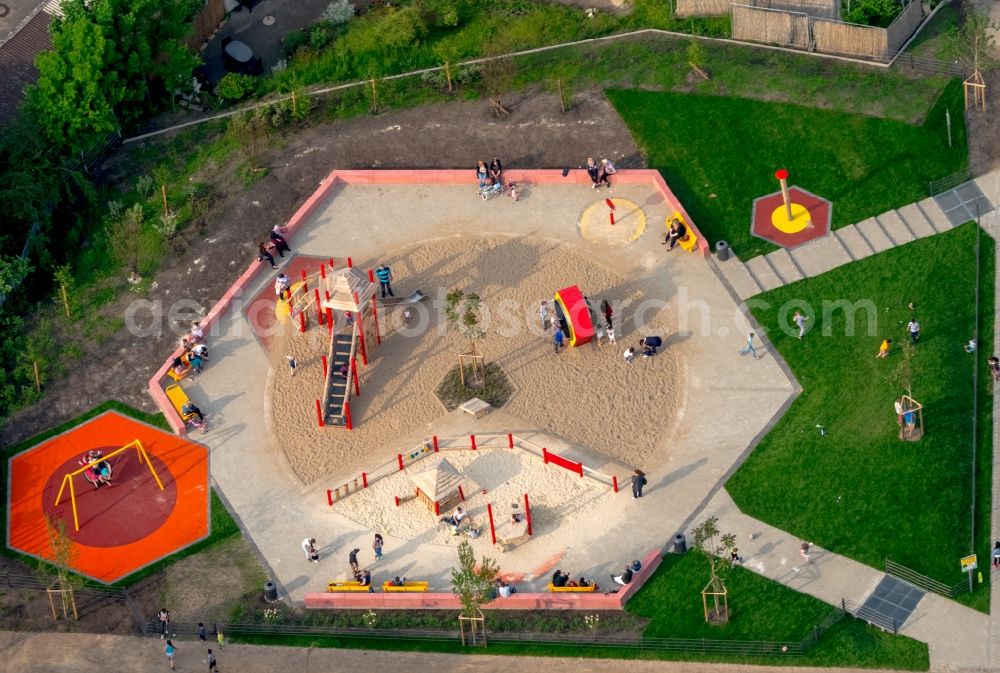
(561, 579)
(195, 352)
(600, 173)
(676, 231)
(276, 243)
(490, 178)
(98, 471)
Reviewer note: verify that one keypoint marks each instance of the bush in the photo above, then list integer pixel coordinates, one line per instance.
(294, 41)
(338, 12)
(465, 74)
(234, 87)
(496, 392)
(873, 12)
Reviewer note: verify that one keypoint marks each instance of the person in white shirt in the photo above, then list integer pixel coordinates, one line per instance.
(309, 547)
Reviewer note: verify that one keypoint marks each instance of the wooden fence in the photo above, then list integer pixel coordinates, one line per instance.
(205, 22)
(824, 9)
(770, 26)
(688, 8)
(806, 30)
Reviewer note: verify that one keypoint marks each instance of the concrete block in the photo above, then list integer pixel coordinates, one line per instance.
(874, 234)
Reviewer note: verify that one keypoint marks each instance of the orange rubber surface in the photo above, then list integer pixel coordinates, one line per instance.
(124, 526)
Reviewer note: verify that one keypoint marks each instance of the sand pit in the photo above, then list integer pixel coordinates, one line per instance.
(588, 395)
(505, 474)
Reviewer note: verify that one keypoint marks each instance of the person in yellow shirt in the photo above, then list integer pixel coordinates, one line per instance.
(883, 349)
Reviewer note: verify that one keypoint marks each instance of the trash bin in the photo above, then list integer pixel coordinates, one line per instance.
(722, 250)
(680, 544)
(270, 592)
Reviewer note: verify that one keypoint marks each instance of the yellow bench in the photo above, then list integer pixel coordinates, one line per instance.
(690, 240)
(179, 398)
(177, 377)
(347, 586)
(554, 589)
(407, 587)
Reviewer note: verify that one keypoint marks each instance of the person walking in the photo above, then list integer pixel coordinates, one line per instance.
(384, 275)
(800, 321)
(914, 328)
(164, 617)
(309, 547)
(606, 310)
(292, 364)
(993, 362)
(638, 481)
(377, 546)
(352, 559)
(557, 339)
(749, 347)
(170, 651)
(543, 313)
(202, 634)
(211, 662)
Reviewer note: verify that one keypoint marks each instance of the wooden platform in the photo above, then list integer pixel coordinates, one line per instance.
(476, 407)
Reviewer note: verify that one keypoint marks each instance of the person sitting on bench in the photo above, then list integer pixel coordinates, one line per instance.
(365, 579)
(396, 582)
(624, 578)
(559, 578)
(198, 421)
(505, 590)
(456, 518)
(584, 582)
(178, 366)
(677, 232)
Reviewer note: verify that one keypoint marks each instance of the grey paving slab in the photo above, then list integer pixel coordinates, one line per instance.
(895, 228)
(874, 234)
(930, 208)
(852, 240)
(764, 273)
(892, 601)
(785, 266)
(820, 256)
(916, 221)
(738, 278)
(989, 185)
(948, 200)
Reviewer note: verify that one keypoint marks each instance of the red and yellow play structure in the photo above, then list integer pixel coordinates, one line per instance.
(575, 315)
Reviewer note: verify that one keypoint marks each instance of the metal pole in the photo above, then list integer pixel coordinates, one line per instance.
(947, 119)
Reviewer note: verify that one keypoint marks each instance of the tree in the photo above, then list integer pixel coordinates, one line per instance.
(473, 584)
(713, 545)
(498, 72)
(64, 555)
(462, 311)
(123, 237)
(973, 43)
(250, 131)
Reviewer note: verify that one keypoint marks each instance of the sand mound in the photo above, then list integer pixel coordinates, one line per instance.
(588, 395)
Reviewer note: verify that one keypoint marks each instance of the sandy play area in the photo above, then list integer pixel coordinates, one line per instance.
(505, 475)
(588, 395)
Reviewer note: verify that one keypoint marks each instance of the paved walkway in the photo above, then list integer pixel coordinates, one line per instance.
(857, 241)
(98, 653)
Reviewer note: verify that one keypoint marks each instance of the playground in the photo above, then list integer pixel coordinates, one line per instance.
(155, 504)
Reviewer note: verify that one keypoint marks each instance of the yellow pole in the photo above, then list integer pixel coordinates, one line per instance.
(72, 499)
(59, 497)
(138, 445)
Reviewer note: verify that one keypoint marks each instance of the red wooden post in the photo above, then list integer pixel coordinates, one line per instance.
(350, 264)
(319, 414)
(347, 416)
(323, 360)
(331, 264)
(329, 497)
(329, 320)
(545, 455)
(437, 508)
(461, 493)
(322, 271)
(399, 459)
(612, 216)
(614, 482)
(364, 480)
(319, 308)
(371, 277)
(361, 335)
(472, 438)
(378, 332)
(305, 283)
(354, 375)
(493, 530)
(527, 512)
(302, 321)
(435, 440)
(397, 500)
(510, 441)
(579, 466)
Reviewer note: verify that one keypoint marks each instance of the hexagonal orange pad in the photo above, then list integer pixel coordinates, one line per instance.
(124, 526)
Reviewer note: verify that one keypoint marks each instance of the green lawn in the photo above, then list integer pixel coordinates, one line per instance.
(719, 154)
(859, 490)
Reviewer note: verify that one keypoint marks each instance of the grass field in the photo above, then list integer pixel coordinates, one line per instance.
(719, 154)
(859, 490)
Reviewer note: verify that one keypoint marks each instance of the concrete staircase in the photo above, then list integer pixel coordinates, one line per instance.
(848, 244)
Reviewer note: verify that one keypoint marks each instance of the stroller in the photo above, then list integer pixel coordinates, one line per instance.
(509, 189)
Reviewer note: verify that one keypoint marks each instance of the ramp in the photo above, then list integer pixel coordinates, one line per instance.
(413, 298)
(338, 389)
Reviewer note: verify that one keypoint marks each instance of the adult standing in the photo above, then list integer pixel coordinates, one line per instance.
(352, 559)
(309, 547)
(543, 313)
(384, 275)
(606, 310)
(638, 481)
(164, 618)
(914, 328)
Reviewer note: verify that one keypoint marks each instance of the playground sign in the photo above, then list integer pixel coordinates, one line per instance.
(969, 563)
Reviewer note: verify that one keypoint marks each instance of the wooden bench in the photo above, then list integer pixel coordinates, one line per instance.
(408, 587)
(554, 589)
(347, 586)
(690, 240)
(179, 398)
